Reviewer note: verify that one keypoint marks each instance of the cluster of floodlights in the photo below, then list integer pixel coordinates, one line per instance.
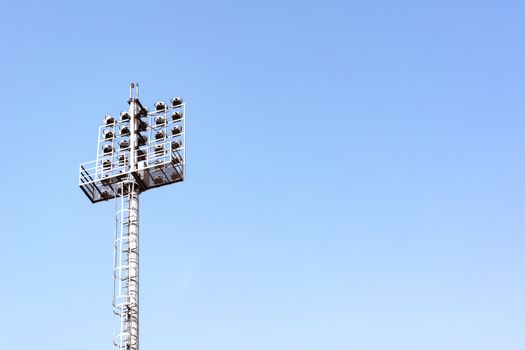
(115, 137)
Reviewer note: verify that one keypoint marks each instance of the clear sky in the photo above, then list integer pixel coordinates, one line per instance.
(356, 174)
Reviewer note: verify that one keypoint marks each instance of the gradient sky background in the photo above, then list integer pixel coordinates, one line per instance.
(356, 174)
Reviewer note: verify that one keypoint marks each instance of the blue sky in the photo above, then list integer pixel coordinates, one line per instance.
(355, 174)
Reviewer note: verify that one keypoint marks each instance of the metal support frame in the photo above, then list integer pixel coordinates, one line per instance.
(129, 163)
(153, 168)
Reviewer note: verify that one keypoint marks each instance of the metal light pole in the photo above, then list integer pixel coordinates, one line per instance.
(142, 150)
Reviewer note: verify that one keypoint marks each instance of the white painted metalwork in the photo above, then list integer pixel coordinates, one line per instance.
(126, 268)
(134, 154)
(143, 161)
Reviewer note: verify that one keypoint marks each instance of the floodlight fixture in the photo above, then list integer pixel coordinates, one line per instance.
(160, 106)
(142, 140)
(176, 160)
(107, 149)
(176, 144)
(124, 130)
(108, 134)
(159, 150)
(160, 120)
(124, 144)
(124, 116)
(177, 129)
(143, 112)
(109, 120)
(143, 126)
(106, 164)
(176, 116)
(176, 101)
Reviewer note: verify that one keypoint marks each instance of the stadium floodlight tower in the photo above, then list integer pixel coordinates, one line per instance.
(140, 151)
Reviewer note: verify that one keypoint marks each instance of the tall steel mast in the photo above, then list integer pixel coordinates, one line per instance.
(142, 150)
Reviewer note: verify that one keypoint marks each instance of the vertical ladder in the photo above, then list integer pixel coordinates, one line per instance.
(126, 267)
